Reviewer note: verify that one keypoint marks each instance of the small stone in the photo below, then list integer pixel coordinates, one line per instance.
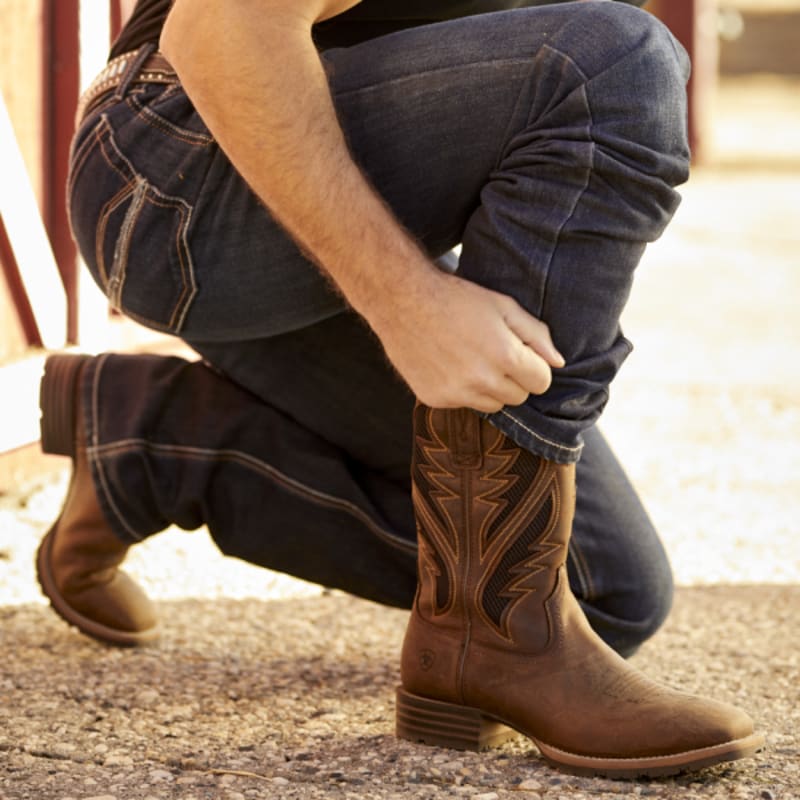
(147, 698)
(280, 781)
(103, 797)
(118, 760)
(487, 796)
(530, 785)
(767, 795)
(157, 775)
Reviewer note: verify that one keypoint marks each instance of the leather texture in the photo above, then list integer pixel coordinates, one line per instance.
(496, 628)
(78, 560)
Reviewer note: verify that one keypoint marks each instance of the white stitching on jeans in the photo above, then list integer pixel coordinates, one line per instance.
(92, 451)
(189, 289)
(576, 449)
(290, 484)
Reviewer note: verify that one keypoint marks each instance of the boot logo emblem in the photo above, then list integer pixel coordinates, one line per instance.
(427, 658)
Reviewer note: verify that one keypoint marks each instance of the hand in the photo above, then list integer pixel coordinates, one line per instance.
(458, 345)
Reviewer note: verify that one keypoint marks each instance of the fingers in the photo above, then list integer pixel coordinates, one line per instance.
(470, 347)
(500, 370)
(530, 370)
(505, 393)
(534, 333)
(499, 394)
(488, 395)
(488, 405)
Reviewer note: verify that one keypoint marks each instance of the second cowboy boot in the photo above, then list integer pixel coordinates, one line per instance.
(497, 643)
(77, 562)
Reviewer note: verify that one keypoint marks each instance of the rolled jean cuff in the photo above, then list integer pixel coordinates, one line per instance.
(551, 425)
(537, 434)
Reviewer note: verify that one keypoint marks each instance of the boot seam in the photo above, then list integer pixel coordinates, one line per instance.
(466, 499)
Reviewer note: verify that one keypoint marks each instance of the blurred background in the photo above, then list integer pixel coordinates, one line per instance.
(705, 415)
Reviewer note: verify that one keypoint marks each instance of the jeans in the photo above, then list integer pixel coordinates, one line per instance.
(547, 141)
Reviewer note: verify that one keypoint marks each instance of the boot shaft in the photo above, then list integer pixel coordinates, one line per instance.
(493, 524)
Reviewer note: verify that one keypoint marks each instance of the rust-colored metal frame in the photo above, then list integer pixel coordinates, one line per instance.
(60, 54)
(116, 18)
(16, 288)
(60, 88)
(694, 24)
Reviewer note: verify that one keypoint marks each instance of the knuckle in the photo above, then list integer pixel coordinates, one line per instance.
(521, 398)
(510, 357)
(545, 380)
(508, 302)
(481, 380)
(504, 356)
(488, 405)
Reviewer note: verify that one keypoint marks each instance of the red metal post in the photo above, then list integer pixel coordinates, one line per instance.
(116, 19)
(61, 85)
(694, 23)
(16, 289)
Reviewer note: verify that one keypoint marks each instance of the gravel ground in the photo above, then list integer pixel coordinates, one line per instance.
(294, 698)
(267, 687)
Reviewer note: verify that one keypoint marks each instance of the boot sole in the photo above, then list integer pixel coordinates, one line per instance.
(57, 403)
(84, 624)
(439, 724)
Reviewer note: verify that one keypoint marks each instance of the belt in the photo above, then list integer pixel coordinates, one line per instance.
(155, 69)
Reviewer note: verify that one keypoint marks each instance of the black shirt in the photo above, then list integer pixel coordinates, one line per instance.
(373, 18)
(367, 20)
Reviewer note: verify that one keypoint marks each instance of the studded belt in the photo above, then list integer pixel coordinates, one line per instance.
(154, 69)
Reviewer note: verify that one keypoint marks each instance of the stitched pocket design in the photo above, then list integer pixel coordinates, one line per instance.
(133, 236)
(172, 115)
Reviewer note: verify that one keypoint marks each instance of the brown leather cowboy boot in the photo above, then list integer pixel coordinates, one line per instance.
(497, 642)
(78, 558)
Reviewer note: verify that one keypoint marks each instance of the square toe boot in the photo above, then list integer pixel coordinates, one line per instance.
(498, 645)
(77, 561)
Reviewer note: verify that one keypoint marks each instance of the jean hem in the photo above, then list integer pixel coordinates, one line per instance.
(540, 443)
(91, 414)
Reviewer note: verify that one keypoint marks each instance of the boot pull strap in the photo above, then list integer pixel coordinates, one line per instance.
(464, 432)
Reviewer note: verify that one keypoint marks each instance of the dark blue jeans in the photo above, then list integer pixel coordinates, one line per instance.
(547, 141)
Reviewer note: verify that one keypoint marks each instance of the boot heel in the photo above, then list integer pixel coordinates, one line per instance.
(439, 724)
(57, 402)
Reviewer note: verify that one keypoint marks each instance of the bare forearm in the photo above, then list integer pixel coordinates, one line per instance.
(255, 77)
(252, 71)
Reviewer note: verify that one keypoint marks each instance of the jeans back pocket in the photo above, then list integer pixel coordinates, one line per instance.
(133, 236)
